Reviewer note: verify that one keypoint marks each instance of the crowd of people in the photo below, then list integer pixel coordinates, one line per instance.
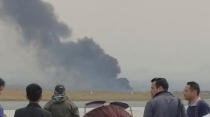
(58, 106)
(162, 102)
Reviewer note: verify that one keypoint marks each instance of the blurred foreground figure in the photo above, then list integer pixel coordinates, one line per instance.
(115, 109)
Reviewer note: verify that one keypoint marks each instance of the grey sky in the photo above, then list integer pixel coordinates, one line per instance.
(149, 38)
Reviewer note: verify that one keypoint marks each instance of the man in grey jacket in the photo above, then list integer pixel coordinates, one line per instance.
(163, 103)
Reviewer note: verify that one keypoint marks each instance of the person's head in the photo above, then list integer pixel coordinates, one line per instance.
(34, 92)
(59, 90)
(2, 85)
(158, 85)
(191, 90)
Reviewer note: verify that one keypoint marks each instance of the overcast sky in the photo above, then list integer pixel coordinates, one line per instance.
(158, 38)
(149, 38)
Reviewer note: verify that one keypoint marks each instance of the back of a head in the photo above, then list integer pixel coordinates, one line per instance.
(161, 82)
(34, 92)
(59, 90)
(194, 86)
(2, 82)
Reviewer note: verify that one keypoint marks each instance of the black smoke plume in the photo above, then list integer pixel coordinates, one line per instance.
(79, 65)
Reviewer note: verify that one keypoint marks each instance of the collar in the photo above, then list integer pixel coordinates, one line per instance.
(34, 105)
(162, 92)
(196, 102)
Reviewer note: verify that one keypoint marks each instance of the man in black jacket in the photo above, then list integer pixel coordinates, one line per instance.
(34, 94)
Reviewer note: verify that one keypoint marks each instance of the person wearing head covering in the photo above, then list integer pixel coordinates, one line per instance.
(60, 105)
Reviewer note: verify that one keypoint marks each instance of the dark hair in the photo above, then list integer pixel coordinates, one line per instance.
(161, 82)
(2, 82)
(194, 86)
(34, 92)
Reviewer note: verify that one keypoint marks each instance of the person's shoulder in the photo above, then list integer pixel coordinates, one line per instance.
(70, 103)
(149, 102)
(49, 103)
(157, 98)
(163, 97)
(45, 111)
(20, 110)
(203, 103)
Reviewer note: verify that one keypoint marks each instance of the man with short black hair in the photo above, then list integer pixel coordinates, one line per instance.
(60, 105)
(158, 85)
(2, 85)
(163, 103)
(34, 94)
(197, 107)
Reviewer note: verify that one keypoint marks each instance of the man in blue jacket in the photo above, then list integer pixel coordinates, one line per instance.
(2, 84)
(197, 107)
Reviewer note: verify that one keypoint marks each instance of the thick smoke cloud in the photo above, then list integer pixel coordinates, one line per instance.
(78, 65)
